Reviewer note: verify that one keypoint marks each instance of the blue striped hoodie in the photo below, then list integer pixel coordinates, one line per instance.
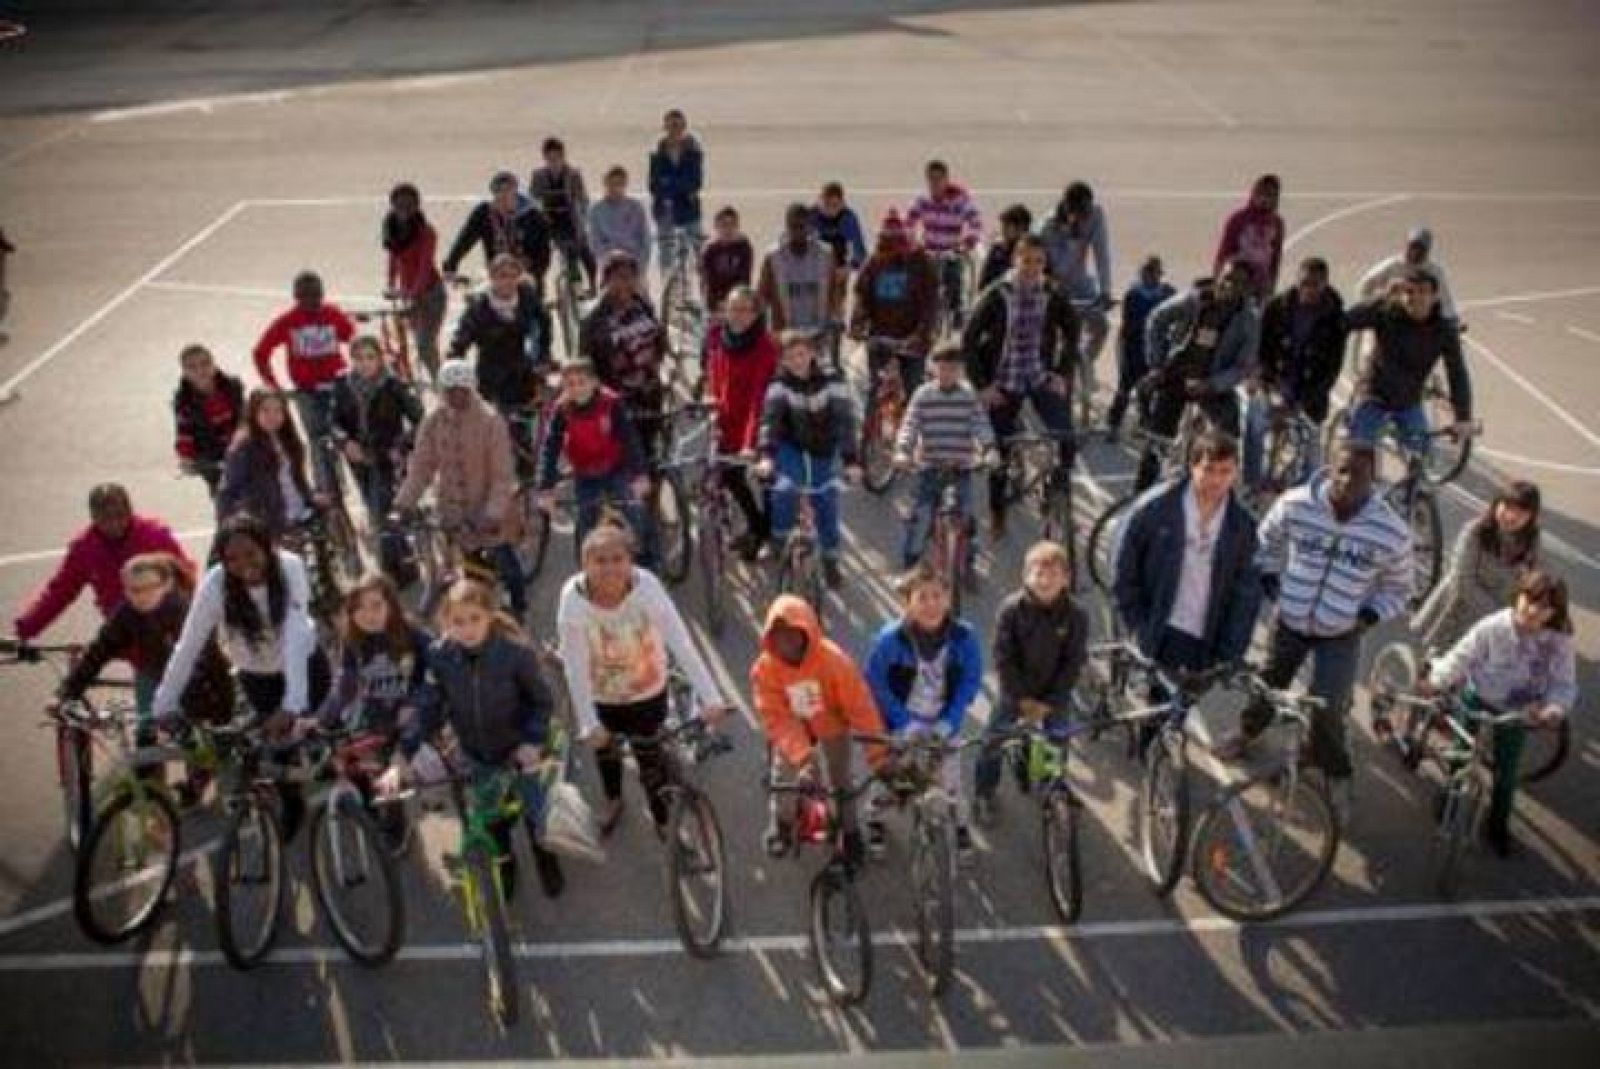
(1329, 571)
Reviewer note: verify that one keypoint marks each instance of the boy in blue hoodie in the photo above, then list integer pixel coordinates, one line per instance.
(1138, 302)
(924, 670)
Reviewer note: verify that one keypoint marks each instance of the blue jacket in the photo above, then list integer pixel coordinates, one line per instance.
(1148, 563)
(842, 234)
(675, 185)
(892, 668)
(1138, 301)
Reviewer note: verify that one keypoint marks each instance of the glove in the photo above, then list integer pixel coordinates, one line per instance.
(26, 654)
(1269, 587)
(1367, 619)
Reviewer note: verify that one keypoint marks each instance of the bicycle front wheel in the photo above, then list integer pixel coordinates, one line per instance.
(1062, 861)
(126, 867)
(933, 882)
(494, 935)
(1263, 846)
(535, 539)
(879, 425)
(1427, 544)
(841, 938)
(1453, 837)
(697, 874)
(356, 881)
(74, 760)
(1447, 456)
(713, 578)
(1101, 547)
(669, 515)
(250, 885)
(1164, 811)
(1544, 751)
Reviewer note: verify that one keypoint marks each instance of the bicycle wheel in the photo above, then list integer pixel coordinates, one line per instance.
(1062, 862)
(879, 425)
(493, 932)
(126, 866)
(713, 578)
(1333, 428)
(697, 874)
(535, 545)
(1453, 837)
(669, 515)
(1263, 846)
(841, 938)
(355, 879)
(1393, 672)
(1101, 547)
(250, 885)
(74, 760)
(800, 574)
(1057, 527)
(933, 863)
(1447, 456)
(1164, 811)
(1544, 751)
(345, 548)
(1427, 539)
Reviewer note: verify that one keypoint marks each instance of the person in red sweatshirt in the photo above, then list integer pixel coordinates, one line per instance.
(413, 245)
(206, 410)
(94, 559)
(741, 356)
(1254, 234)
(314, 334)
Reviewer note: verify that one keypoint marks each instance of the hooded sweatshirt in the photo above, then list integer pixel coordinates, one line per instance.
(739, 368)
(93, 560)
(1254, 235)
(822, 697)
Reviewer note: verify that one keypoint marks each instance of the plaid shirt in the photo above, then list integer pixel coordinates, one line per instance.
(1021, 368)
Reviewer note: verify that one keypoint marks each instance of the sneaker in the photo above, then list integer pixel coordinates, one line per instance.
(877, 839)
(831, 573)
(984, 811)
(964, 849)
(551, 879)
(777, 837)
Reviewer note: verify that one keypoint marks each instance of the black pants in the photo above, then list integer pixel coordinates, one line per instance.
(756, 519)
(1166, 412)
(639, 718)
(1176, 651)
(1130, 369)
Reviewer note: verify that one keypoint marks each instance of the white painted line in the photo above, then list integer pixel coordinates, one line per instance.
(34, 556)
(1537, 394)
(1169, 75)
(202, 105)
(1342, 213)
(39, 914)
(1515, 317)
(260, 293)
(794, 944)
(8, 388)
(1579, 332)
(1537, 462)
(1528, 298)
(24, 151)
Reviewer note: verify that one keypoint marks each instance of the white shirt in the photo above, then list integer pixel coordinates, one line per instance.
(294, 502)
(1194, 580)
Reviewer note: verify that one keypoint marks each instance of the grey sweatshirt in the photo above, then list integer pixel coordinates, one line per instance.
(620, 224)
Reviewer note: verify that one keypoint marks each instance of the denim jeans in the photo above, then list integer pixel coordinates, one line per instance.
(1334, 664)
(930, 484)
(595, 492)
(509, 569)
(377, 483)
(799, 470)
(1054, 409)
(427, 317)
(1370, 418)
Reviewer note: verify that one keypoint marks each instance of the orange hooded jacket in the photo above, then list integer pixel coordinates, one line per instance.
(822, 697)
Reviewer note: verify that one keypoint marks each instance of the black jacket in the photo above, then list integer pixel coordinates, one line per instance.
(250, 484)
(530, 229)
(984, 340)
(150, 638)
(495, 697)
(1039, 649)
(512, 351)
(188, 410)
(1406, 354)
(1307, 373)
(392, 412)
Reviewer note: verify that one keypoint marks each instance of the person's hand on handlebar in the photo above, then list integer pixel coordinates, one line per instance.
(852, 473)
(763, 469)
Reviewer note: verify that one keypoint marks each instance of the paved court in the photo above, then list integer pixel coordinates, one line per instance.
(165, 178)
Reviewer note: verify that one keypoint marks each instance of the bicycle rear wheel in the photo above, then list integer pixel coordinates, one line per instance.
(697, 874)
(74, 761)
(535, 544)
(126, 867)
(1164, 810)
(1447, 456)
(1427, 538)
(1263, 846)
(1101, 547)
(713, 577)
(669, 515)
(841, 938)
(356, 881)
(1544, 751)
(1062, 861)
(1057, 526)
(250, 885)
(879, 425)
(933, 882)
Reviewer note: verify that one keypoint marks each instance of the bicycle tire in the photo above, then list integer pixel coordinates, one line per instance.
(1393, 672)
(1164, 811)
(836, 909)
(1452, 838)
(1427, 537)
(807, 585)
(1063, 867)
(878, 472)
(358, 823)
(75, 764)
(535, 539)
(263, 824)
(1544, 752)
(669, 517)
(1100, 549)
(1057, 526)
(87, 893)
(1216, 855)
(493, 935)
(701, 939)
(1444, 463)
(933, 883)
(713, 577)
(346, 546)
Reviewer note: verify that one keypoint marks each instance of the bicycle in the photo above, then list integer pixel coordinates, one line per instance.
(800, 557)
(1101, 545)
(887, 398)
(683, 315)
(326, 542)
(1287, 451)
(950, 533)
(569, 288)
(696, 865)
(957, 276)
(716, 514)
(394, 337)
(1034, 472)
(1087, 386)
(1043, 755)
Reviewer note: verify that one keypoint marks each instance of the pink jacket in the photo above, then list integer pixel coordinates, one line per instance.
(93, 560)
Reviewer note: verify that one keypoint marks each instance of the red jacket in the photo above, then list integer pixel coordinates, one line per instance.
(314, 341)
(1254, 235)
(414, 270)
(93, 560)
(737, 380)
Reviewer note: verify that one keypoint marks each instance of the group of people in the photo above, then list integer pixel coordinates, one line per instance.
(1191, 573)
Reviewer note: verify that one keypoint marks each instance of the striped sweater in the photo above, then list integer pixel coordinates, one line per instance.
(1327, 571)
(948, 224)
(949, 425)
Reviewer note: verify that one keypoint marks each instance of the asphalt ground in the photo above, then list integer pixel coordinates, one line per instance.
(152, 209)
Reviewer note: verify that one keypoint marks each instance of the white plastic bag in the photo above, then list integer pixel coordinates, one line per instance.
(570, 825)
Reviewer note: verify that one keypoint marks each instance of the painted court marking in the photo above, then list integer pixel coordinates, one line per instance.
(796, 944)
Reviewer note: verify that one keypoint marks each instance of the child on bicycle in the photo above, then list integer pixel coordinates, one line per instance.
(264, 472)
(509, 327)
(741, 356)
(1041, 640)
(557, 188)
(375, 417)
(896, 301)
(1518, 659)
(413, 271)
(925, 669)
(206, 410)
(945, 426)
(489, 689)
(808, 429)
(727, 261)
(1015, 223)
(1147, 292)
(809, 696)
(627, 347)
(591, 430)
(313, 333)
